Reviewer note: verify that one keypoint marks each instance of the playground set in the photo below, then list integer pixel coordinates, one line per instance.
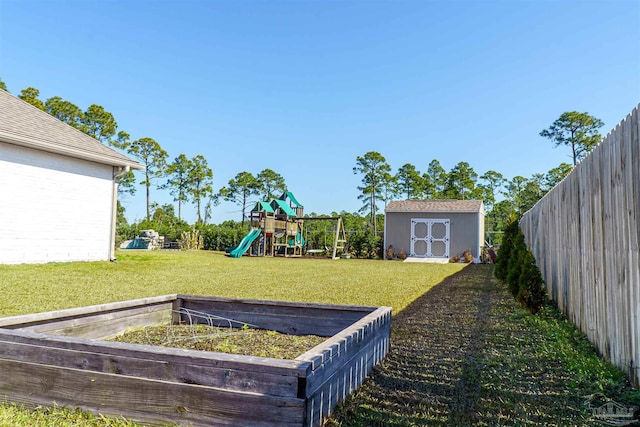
(277, 229)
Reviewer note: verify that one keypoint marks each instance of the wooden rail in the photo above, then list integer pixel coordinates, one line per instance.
(585, 235)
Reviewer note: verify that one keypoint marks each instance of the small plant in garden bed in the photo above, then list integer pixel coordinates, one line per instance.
(17, 415)
(244, 341)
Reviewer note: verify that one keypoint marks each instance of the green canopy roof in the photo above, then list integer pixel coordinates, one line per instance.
(263, 206)
(285, 208)
(291, 197)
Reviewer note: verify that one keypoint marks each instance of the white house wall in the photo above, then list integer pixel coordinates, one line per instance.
(53, 208)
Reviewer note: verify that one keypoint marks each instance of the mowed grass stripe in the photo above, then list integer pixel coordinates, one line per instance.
(465, 354)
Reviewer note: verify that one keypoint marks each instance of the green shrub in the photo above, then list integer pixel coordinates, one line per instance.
(225, 235)
(514, 263)
(531, 293)
(516, 266)
(504, 253)
(364, 243)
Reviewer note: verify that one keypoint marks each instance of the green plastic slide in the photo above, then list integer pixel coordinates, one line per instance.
(245, 244)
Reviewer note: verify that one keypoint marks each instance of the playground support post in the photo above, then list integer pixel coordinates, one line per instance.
(339, 228)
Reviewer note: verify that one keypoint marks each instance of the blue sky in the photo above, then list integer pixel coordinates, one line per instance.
(304, 87)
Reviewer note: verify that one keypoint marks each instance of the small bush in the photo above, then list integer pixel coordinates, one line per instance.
(402, 255)
(504, 253)
(467, 256)
(514, 263)
(531, 292)
(366, 244)
(516, 266)
(455, 258)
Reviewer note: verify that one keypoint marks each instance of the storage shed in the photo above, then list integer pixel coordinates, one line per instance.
(435, 229)
(58, 188)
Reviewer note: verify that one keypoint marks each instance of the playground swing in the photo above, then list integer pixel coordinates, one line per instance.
(339, 240)
(277, 229)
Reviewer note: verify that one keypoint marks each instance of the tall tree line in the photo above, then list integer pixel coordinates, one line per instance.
(191, 179)
(579, 131)
(501, 196)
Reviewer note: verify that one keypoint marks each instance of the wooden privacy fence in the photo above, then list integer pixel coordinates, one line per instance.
(584, 235)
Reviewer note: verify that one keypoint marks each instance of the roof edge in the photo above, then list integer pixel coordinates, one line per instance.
(433, 210)
(71, 152)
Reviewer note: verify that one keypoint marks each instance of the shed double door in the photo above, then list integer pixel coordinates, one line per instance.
(430, 238)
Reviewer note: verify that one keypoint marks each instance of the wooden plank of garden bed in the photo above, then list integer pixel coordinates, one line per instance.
(180, 371)
(290, 304)
(371, 324)
(340, 364)
(149, 401)
(291, 318)
(163, 354)
(107, 325)
(23, 321)
(98, 321)
(344, 381)
(372, 350)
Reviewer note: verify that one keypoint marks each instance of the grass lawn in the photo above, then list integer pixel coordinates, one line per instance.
(462, 352)
(35, 288)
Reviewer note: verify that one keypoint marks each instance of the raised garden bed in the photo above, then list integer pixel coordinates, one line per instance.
(62, 358)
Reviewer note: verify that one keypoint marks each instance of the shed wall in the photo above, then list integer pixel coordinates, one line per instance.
(464, 232)
(481, 239)
(53, 208)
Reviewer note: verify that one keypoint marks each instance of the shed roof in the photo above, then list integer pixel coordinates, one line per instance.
(471, 206)
(23, 124)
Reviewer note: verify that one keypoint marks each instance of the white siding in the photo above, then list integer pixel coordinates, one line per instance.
(53, 207)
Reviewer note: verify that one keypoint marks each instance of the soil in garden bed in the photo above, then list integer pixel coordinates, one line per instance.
(244, 341)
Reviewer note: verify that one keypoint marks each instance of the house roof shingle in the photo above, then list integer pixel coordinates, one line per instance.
(23, 124)
(434, 206)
